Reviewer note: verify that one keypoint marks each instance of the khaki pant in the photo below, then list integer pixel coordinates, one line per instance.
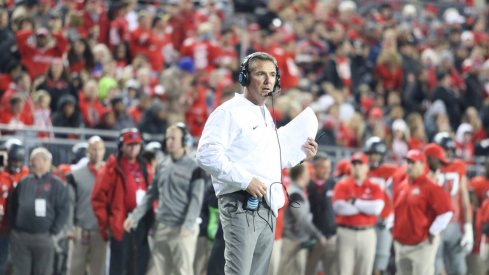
(87, 253)
(327, 255)
(293, 259)
(416, 259)
(356, 251)
(475, 265)
(173, 254)
(275, 260)
(202, 254)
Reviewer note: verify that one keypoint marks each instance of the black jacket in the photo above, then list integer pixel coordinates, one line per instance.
(320, 198)
(40, 205)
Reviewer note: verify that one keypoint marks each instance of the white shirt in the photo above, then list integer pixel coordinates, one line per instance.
(239, 143)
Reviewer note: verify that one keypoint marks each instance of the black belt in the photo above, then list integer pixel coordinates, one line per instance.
(243, 197)
(356, 228)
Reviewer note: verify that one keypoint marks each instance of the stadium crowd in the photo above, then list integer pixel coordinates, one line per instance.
(383, 78)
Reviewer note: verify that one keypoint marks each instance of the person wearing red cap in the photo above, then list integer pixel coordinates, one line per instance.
(119, 187)
(357, 202)
(36, 50)
(458, 238)
(422, 210)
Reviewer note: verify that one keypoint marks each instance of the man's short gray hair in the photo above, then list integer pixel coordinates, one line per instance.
(42, 152)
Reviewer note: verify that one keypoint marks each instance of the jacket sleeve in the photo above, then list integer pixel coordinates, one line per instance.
(62, 209)
(303, 216)
(14, 204)
(196, 196)
(72, 197)
(151, 194)
(211, 152)
(61, 44)
(22, 44)
(100, 200)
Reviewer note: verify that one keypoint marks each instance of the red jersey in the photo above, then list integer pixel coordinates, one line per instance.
(383, 176)
(36, 60)
(450, 178)
(348, 189)
(205, 54)
(480, 186)
(416, 205)
(91, 111)
(7, 183)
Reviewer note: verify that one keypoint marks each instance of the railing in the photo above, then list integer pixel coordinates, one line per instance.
(62, 148)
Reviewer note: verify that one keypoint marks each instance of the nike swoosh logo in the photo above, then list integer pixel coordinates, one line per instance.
(255, 127)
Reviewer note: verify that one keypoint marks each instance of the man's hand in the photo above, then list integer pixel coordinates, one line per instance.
(310, 148)
(71, 235)
(129, 224)
(2, 212)
(256, 188)
(184, 232)
(323, 241)
(467, 241)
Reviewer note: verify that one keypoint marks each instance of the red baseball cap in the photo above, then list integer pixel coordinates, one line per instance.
(436, 151)
(342, 168)
(359, 157)
(415, 155)
(132, 136)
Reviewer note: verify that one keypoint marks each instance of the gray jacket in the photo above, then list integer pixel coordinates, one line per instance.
(40, 205)
(179, 187)
(297, 222)
(81, 182)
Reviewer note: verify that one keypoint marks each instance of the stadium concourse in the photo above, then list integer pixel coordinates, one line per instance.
(408, 75)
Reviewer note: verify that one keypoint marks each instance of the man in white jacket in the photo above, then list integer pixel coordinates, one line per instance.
(240, 149)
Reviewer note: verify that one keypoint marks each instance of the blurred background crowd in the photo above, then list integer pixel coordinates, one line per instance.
(399, 70)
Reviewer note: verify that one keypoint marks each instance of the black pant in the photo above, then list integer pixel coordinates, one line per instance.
(131, 255)
(216, 259)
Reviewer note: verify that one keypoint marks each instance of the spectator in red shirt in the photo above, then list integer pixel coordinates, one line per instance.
(389, 69)
(472, 117)
(38, 51)
(141, 39)
(119, 28)
(136, 111)
(95, 21)
(13, 116)
(89, 104)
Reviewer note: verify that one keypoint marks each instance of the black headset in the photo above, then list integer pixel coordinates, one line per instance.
(244, 78)
(186, 137)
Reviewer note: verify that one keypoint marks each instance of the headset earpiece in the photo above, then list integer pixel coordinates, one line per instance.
(186, 138)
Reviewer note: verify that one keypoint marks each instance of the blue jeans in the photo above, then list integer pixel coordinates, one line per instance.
(4, 250)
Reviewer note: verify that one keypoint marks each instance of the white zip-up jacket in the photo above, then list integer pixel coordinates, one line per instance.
(238, 143)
